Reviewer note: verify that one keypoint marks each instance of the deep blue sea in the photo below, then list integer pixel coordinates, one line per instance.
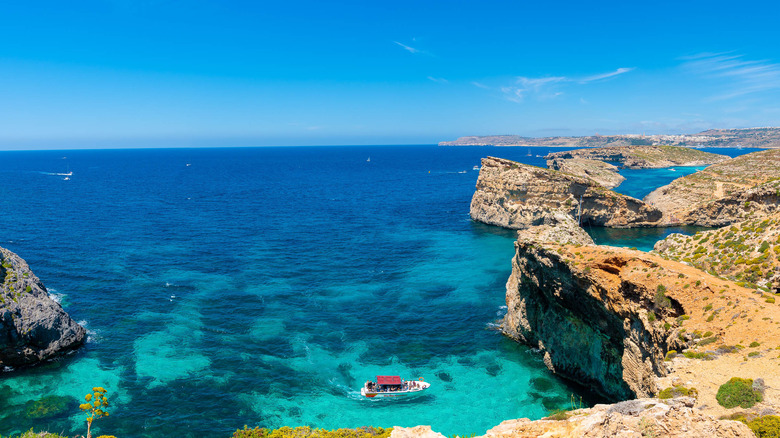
(264, 286)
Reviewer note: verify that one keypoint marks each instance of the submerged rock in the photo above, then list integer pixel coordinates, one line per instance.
(33, 327)
(518, 196)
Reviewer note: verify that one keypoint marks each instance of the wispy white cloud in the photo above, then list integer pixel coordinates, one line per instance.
(438, 80)
(480, 85)
(602, 76)
(541, 88)
(550, 87)
(743, 76)
(408, 48)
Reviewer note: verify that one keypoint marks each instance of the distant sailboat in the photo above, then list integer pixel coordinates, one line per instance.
(368, 160)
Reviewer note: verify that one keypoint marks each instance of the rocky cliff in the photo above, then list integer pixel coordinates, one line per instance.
(609, 317)
(515, 195)
(643, 157)
(33, 327)
(731, 191)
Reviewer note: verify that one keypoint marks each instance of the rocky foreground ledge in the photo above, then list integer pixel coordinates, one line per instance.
(635, 418)
(33, 327)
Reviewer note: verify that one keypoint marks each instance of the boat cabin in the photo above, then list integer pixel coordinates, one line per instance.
(386, 384)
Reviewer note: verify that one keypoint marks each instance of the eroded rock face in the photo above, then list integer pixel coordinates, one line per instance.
(579, 306)
(33, 327)
(515, 195)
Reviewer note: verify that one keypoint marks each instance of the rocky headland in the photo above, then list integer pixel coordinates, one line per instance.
(642, 157)
(693, 314)
(724, 193)
(517, 196)
(33, 327)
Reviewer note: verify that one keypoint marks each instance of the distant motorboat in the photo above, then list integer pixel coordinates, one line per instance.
(475, 168)
(393, 386)
(368, 160)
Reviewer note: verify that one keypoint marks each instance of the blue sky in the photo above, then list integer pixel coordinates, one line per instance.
(157, 73)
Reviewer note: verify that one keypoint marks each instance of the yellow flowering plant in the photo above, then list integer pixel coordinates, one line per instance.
(95, 405)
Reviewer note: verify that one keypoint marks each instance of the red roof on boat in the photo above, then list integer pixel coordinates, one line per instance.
(388, 380)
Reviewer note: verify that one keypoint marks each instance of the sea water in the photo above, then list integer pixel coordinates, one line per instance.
(264, 286)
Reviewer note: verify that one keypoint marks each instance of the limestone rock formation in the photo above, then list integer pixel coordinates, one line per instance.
(515, 195)
(643, 157)
(603, 173)
(636, 418)
(724, 193)
(590, 323)
(606, 317)
(33, 327)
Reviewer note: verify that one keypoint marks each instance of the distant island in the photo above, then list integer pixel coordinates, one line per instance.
(714, 138)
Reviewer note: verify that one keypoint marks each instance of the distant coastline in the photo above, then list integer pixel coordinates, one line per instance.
(767, 137)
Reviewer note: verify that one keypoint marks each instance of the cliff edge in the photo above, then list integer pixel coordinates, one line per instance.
(33, 327)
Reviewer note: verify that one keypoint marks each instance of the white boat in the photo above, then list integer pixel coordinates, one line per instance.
(475, 168)
(393, 386)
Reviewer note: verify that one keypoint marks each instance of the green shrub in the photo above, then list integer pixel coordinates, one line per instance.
(753, 354)
(246, 432)
(738, 392)
(698, 355)
(670, 355)
(754, 344)
(558, 415)
(707, 341)
(308, 432)
(651, 316)
(677, 391)
(661, 300)
(767, 426)
(707, 334)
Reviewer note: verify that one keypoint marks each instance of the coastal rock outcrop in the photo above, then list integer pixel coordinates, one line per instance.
(515, 195)
(33, 327)
(643, 157)
(609, 318)
(603, 173)
(723, 193)
(589, 320)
